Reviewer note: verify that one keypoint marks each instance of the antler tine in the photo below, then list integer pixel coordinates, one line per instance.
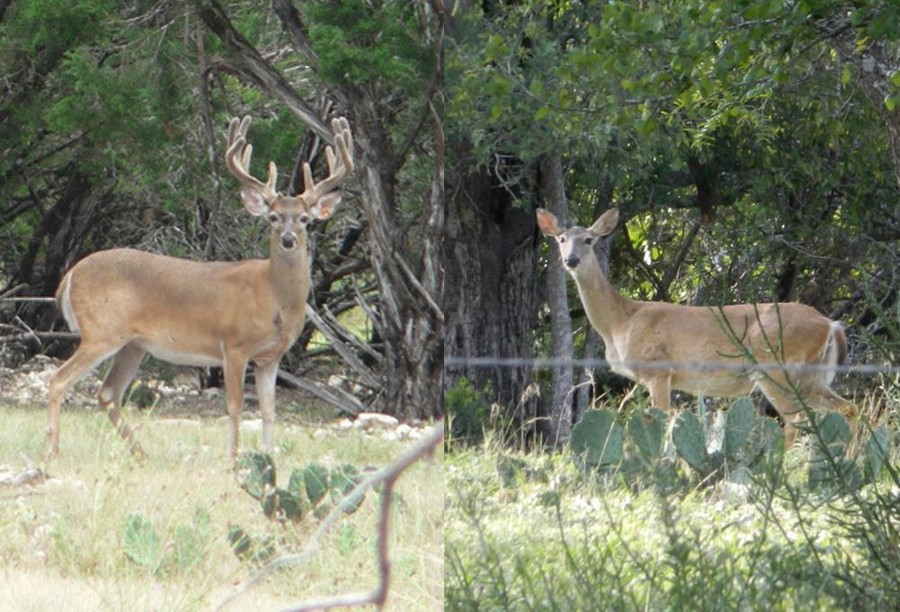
(340, 165)
(238, 155)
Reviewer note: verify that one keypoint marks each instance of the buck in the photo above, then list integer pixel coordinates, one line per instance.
(126, 303)
(720, 352)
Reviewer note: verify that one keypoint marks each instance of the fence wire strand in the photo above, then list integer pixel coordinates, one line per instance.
(737, 365)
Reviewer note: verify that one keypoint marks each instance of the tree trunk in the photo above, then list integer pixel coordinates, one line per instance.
(409, 286)
(490, 299)
(553, 191)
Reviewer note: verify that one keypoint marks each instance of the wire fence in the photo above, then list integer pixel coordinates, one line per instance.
(736, 364)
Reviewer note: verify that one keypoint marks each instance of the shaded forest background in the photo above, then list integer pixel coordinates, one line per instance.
(753, 148)
(112, 133)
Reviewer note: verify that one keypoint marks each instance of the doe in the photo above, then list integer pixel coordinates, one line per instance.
(659, 345)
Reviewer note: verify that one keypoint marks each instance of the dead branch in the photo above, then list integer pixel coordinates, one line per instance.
(39, 300)
(332, 395)
(345, 344)
(31, 475)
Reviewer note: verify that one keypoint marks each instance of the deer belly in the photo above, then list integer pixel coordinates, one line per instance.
(179, 356)
(713, 383)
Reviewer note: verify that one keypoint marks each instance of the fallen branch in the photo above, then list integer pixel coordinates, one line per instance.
(30, 476)
(345, 347)
(333, 395)
(39, 334)
(39, 300)
(387, 475)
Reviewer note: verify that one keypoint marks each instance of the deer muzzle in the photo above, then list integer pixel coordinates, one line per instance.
(289, 241)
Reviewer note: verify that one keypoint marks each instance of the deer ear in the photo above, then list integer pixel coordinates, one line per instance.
(547, 222)
(606, 224)
(254, 201)
(324, 207)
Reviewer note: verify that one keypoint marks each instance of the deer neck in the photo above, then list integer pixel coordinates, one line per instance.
(605, 308)
(289, 277)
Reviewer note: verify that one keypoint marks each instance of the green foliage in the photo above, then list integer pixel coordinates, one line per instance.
(282, 505)
(741, 110)
(468, 411)
(358, 43)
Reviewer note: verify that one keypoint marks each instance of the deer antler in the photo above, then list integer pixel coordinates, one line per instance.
(237, 157)
(340, 166)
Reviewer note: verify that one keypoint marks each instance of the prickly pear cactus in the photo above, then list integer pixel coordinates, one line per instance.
(875, 453)
(310, 481)
(597, 439)
(256, 474)
(738, 424)
(690, 442)
(343, 480)
(281, 504)
(648, 430)
(765, 444)
(829, 467)
(140, 542)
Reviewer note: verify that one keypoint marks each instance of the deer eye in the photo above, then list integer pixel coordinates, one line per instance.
(304, 218)
(587, 240)
(274, 217)
(561, 239)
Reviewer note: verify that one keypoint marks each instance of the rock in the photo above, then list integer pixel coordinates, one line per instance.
(370, 421)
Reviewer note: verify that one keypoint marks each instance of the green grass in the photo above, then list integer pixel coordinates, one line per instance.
(63, 542)
(532, 532)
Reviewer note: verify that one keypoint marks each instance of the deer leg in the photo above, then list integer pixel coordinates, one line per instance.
(124, 367)
(660, 388)
(786, 406)
(790, 407)
(826, 399)
(85, 358)
(265, 390)
(235, 367)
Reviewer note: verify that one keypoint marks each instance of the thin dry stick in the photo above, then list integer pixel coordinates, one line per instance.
(388, 475)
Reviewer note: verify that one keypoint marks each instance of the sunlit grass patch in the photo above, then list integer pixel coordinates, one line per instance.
(109, 533)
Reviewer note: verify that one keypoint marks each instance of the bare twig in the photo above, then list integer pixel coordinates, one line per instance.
(13, 290)
(387, 475)
(40, 300)
(40, 335)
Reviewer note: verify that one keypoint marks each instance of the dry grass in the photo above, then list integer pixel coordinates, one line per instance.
(61, 542)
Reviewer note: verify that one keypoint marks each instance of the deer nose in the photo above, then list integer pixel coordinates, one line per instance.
(572, 261)
(288, 241)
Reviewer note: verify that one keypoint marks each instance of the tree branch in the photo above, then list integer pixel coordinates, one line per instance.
(255, 67)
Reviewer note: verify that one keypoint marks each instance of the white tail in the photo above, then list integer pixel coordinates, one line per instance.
(126, 303)
(648, 333)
